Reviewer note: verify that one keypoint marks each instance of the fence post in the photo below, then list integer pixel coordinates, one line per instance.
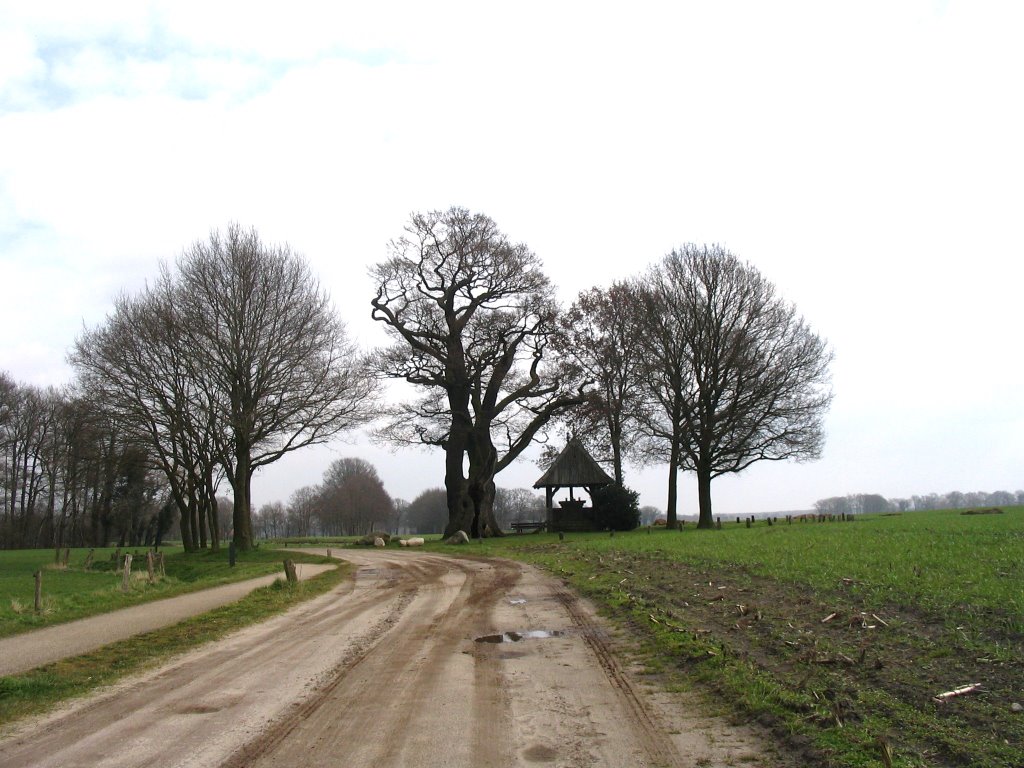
(126, 576)
(149, 566)
(289, 571)
(39, 590)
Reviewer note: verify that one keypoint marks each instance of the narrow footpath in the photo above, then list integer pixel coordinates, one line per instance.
(28, 650)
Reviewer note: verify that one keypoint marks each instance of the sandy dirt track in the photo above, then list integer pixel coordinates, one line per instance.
(385, 671)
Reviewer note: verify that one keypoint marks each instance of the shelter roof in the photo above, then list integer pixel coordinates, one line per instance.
(574, 467)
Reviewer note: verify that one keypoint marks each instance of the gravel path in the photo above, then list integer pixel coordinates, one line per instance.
(29, 650)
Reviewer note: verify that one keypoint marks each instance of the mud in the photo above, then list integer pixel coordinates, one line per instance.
(385, 671)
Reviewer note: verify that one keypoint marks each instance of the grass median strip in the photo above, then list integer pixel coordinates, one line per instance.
(41, 689)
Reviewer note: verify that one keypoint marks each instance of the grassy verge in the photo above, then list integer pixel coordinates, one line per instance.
(41, 689)
(76, 592)
(921, 603)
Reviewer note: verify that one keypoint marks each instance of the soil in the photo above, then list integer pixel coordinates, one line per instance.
(859, 661)
(387, 670)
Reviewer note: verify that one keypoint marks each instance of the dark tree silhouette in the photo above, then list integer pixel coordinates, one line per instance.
(739, 374)
(471, 314)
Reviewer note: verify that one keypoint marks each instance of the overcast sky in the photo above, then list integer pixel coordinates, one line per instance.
(866, 157)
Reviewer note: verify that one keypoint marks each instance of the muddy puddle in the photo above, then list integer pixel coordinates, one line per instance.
(515, 637)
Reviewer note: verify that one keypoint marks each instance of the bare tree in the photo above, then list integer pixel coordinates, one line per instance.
(269, 350)
(471, 314)
(754, 378)
(137, 367)
(428, 512)
(598, 335)
(352, 499)
(302, 510)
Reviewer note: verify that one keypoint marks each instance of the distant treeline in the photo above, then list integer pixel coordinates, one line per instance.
(867, 503)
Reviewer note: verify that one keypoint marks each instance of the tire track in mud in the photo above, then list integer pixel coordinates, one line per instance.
(280, 730)
(655, 742)
(399, 678)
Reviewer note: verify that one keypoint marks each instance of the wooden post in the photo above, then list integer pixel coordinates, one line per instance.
(160, 564)
(126, 575)
(328, 553)
(56, 556)
(39, 590)
(149, 566)
(88, 560)
(289, 571)
(67, 556)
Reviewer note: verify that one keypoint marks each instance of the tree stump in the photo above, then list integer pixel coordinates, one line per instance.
(289, 572)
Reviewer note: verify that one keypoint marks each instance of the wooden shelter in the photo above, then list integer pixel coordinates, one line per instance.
(573, 468)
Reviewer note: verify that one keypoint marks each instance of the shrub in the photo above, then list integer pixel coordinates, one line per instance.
(616, 507)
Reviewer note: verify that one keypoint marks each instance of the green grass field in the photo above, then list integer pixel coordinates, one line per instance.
(920, 604)
(74, 592)
(951, 564)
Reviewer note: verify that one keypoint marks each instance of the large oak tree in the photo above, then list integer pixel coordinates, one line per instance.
(471, 314)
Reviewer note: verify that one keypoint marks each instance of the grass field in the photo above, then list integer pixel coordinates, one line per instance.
(920, 604)
(73, 592)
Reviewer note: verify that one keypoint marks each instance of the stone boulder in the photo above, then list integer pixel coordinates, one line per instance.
(459, 537)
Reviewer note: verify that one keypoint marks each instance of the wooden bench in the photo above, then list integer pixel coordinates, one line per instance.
(519, 527)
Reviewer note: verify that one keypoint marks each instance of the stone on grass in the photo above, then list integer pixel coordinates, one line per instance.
(459, 537)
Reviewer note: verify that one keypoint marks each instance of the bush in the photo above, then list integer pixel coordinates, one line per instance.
(616, 507)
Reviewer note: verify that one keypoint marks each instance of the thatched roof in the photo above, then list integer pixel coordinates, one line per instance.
(574, 467)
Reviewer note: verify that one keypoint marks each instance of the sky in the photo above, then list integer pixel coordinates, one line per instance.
(865, 157)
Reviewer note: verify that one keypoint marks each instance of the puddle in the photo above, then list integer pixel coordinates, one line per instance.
(515, 637)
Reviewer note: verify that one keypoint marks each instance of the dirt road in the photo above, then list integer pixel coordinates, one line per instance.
(388, 670)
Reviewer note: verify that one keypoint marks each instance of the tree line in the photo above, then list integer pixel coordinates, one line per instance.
(698, 363)
(233, 356)
(351, 500)
(866, 503)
